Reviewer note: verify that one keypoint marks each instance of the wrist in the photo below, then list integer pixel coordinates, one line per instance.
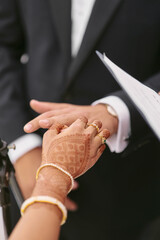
(114, 117)
(110, 118)
(53, 183)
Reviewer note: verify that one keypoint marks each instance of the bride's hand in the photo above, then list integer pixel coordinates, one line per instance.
(77, 148)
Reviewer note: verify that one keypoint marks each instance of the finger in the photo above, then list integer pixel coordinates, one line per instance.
(98, 141)
(97, 155)
(70, 205)
(42, 120)
(75, 185)
(57, 127)
(41, 107)
(93, 128)
(99, 138)
(51, 133)
(100, 151)
(78, 125)
(64, 128)
(33, 125)
(66, 119)
(61, 116)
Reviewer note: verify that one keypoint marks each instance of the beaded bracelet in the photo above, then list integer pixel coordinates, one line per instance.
(59, 168)
(45, 199)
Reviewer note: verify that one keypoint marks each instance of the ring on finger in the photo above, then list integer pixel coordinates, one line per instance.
(102, 138)
(95, 126)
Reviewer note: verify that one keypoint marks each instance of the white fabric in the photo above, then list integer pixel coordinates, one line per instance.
(80, 14)
(117, 142)
(24, 144)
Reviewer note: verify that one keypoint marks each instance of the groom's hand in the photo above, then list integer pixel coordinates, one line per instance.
(66, 114)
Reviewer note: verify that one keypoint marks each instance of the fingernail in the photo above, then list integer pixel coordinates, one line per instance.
(74, 207)
(34, 100)
(44, 122)
(28, 127)
(76, 185)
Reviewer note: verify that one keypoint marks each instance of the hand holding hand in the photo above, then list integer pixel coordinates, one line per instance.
(75, 149)
(51, 113)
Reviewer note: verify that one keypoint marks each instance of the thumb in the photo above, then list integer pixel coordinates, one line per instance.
(41, 107)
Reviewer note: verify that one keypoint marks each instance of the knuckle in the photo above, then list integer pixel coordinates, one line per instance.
(105, 133)
(83, 119)
(98, 123)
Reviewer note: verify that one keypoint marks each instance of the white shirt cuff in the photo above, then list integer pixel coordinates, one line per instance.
(24, 144)
(118, 142)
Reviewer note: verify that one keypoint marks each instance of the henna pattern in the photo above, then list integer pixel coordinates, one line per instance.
(71, 152)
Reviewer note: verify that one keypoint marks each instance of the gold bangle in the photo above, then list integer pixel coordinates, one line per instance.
(45, 199)
(59, 168)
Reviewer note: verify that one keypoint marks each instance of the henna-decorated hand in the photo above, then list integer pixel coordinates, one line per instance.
(75, 149)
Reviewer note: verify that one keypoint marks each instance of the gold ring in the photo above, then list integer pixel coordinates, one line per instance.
(102, 138)
(95, 126)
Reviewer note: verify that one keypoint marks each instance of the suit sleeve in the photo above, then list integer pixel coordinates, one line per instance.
(13, 111)
(140, 131)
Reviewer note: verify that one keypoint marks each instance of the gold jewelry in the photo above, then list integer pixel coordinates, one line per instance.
(45, 199)
(103, 139)
(59, 168)
(95, 126)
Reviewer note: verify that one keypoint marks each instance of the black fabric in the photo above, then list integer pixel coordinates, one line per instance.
(120, 196)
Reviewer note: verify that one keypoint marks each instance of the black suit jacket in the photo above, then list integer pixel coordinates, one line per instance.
(119, 196)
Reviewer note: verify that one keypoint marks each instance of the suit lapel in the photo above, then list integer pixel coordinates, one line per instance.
(102, 13)
(61, 14)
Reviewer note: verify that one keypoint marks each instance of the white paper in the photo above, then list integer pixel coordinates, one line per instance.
(145, 99)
